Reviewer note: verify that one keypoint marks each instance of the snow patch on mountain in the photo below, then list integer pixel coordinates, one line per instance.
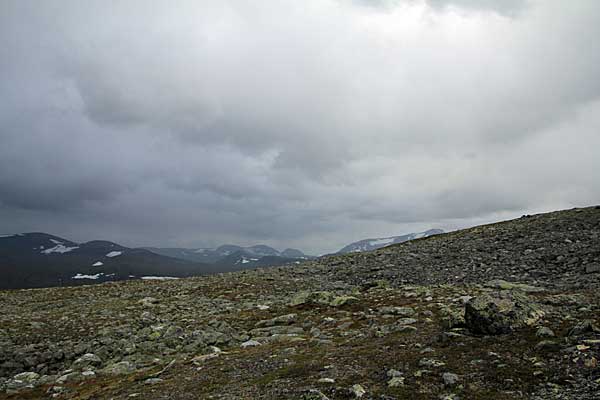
(59, 248)
(376, 243)
(245, 260)
(157, 278)
(98, 264)
(381, 242)
(82, 276)
(114, 254)
(203, 250)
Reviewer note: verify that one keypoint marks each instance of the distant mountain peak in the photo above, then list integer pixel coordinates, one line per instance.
(376, 243)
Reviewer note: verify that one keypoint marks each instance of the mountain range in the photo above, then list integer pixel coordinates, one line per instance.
(39, 260)
(30, 260)
(229, 254)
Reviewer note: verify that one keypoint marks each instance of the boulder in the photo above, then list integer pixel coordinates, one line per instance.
(592, 268)
(452, 318)
(120, 368)
(343, 300)
(314, 394)
(314, 298)
(400, 311)
(501, 312)
(505, 285)
(286, 319)
(27, 377)
(357, 391)
(87, 361)
(585, 326)
(450, 379)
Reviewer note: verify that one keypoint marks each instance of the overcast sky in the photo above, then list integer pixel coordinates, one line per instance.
(305, 124)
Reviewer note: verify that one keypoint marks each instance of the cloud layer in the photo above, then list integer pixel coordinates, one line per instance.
(307, 124)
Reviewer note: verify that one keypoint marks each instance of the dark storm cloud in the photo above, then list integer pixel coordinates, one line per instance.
(297, 124)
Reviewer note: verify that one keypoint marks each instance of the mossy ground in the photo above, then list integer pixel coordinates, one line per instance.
(498, 367)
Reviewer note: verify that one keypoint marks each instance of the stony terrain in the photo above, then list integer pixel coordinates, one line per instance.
(502, 311)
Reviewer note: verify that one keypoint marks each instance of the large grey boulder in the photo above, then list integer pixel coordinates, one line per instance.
(502, 312)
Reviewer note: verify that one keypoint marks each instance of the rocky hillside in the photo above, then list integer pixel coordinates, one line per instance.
(502, 311)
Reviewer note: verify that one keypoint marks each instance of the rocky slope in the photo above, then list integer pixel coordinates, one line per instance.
(501, 311)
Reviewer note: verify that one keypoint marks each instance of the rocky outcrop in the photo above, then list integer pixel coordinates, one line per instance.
(501, 312)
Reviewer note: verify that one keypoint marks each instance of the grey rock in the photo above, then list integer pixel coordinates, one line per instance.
(120, 368)
(27, 377)
(69, 377)
(400, 311)
(544, 332)
(393, 373)
(357, 391)
(592, 268)
(505, 285)
(250, 343)
(340, 301)
(500, 313)
(88, 360)
(548, 345)
(286, 319)
(396, 381)
(314, 394)
(450, 379)
(406, 321)
(315, 298)
(148, 302)
(585, 326)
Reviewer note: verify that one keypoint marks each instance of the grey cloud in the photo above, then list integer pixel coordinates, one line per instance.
(505, 7)
(297, 125)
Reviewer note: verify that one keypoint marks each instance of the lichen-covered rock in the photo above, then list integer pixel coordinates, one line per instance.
(315, 298)
(502, 312)
(357, 391)
(505, 285)
(585, 326)
(279, 320)
(343, 300)
(452, 318)
(120, 368)
(86, 361)
(399, 311)
(314, 394)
